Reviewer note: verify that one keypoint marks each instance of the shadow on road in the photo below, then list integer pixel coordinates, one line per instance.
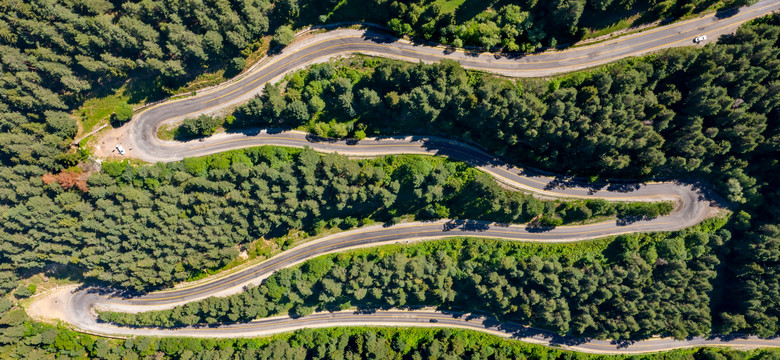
(726, 13)
(467, 225)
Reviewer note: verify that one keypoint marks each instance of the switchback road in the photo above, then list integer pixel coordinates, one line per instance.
(140, 135)
(420, 318)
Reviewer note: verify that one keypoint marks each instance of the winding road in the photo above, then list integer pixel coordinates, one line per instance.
(76, 306)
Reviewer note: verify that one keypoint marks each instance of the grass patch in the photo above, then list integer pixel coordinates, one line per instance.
(202, 81)
(449, 6)
(454, 245)
(167, 132)
(622, 24)
(97, 111)
(603, 23)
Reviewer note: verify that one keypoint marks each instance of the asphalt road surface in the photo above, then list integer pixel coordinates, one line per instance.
(693, 204)
(142, 131)
(430, 318)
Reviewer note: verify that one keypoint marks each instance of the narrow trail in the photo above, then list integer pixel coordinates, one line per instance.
(76, 306)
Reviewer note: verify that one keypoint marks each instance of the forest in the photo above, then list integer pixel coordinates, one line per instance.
(525, 26)
(147, 227)
(708, 114)
(637, 286)
(25, 340)
(669, 114)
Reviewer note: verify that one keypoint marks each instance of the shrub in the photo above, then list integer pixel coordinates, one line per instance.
(203, 125)
(123, 112)
(283, 36)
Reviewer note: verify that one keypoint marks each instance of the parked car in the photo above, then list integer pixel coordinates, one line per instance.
(699, 39)
(120, 149)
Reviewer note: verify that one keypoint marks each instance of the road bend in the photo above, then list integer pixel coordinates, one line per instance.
(692, 203)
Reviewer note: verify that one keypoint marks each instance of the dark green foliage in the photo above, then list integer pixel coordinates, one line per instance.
(638, 286)
(237, 65)
(663, 113)
(203, 125)
(515, 26)
(43, 341)
(758, 272)
(644, 210)
(55, 54)
(710, 113)
(61, 124)
(152, 226)
(548, 221)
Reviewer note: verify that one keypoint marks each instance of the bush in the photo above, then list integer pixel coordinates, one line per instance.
(349, 223)
(549, 221)
(123, 113)
(25, 292)
(237, 65)
(283, 36)
(203, 125)
(360, 135)
(645, 210)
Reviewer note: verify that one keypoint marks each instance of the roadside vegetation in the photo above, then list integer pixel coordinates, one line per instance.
(635, 287)
(525, 26)
(29, 340)
(703, 114)
(146, 227)
(667, 114)
(709, 114)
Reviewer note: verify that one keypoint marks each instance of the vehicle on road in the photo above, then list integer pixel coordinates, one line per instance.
(699, 39)
(434, 320)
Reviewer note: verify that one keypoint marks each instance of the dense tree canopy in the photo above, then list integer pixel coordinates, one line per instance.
(703, 113)
(638, 286)
(668, 114)
(708, 113)
(203, 125)
(53, 54)
(510, 25)
(151, 226)
(32, 341)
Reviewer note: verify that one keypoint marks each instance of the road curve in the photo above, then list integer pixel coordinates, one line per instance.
(428, 318)
(692, 204)
(142, 131)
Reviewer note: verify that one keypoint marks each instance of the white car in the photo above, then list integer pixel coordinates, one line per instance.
(120, 149)
(699, 39)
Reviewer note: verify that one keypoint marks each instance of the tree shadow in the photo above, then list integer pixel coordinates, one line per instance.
(726, 13)
(518, 331)
(566, 182)
(466, 225)
(628, 219)
(379, 37)
(538, 228)
(470, 9)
